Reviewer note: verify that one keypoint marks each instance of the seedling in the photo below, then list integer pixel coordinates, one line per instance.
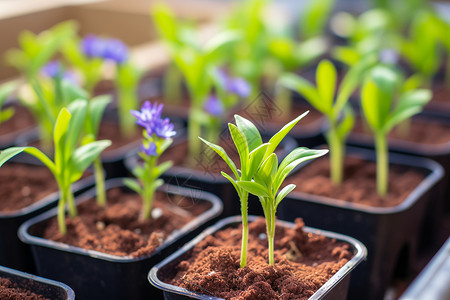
(314, 18)
(259, 173)
(336, 109)
(157, 138)
(5, 91)
(70, 161)
(382, 112)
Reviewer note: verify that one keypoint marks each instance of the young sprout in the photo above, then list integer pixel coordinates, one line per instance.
(5, 91)
(383, 111)
(335, 108)
(70, 161)
(259, 173)
(314, 18)
(196, 62)
(157, 134)
(89, 57)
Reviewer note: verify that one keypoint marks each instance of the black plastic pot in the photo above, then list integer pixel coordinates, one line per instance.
(434, 281)
(212, 182)
(96, 275)
(14, 253)
(335, 288)
(439, 153)
(48, 288)
(391, 234)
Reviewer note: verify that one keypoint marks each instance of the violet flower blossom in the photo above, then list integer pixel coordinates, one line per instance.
(150, 118)
(213, 106)
(111, 49)
(150, 150)
(235, 85)
(54, 68)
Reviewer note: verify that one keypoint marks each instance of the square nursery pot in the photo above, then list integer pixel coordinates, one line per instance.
(391, 234)
(14, 253)
(209, 179)
(434, 281)
(47, 288)
(438, 151)
(96, 275)
(335, 288)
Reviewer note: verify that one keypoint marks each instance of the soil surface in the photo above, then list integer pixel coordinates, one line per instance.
(429, 132)
(117, 230)
(303, 263)
(22, 185)
(359, 184)
(21, 119)
(441, 96)
(11, 291)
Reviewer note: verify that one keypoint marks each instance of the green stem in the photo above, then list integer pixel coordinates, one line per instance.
(100, 182)
(194, 131)
(148, 187)
(284, 100)
(71, 203)
(61, 213)
(244, 213)
(270, 223)
(127, 101)
(382, 163)
(336, 156)
(172, 84)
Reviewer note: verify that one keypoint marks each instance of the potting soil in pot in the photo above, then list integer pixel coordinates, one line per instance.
(20, 120)
(303, 263)
(22, 185)
(111, 131)
(359, 184)
(11, 291)
(117, 229)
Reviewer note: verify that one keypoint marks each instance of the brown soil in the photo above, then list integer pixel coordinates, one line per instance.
(117, 229)
(429, 132)
(303, 263)
(441, 96)
(22, 185)
(11, 291)
(111, 131)
(359, 184)
(21, 119)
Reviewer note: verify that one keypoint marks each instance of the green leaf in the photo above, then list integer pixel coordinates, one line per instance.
(132, 184)
(347, 123)
(222, 153)
(305, 88)
(291, 161)
(369, 98)
(279, 136)
(163, 167)
(6, 90)
(73, 92)
(7, 154)
(97, 107)
(314, 17)
(165, 21)
(267, 171)
(6, 114)
(78, 110)
(254, 188)
(84, 156)
(256, 159)
(241, 146)
(326, 84)
(220, 40)
(409, 104)
(250, 132)
(283, 193)
(42, 157)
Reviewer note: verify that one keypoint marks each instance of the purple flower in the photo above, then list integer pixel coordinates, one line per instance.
(150, 118)
(236, 85)
(116, 51)
(213, 106)
(150, 150)
(93, 46)
(97, 47)
(52, 69)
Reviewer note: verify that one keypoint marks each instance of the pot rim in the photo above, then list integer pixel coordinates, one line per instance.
(359, 249)
(215, 210)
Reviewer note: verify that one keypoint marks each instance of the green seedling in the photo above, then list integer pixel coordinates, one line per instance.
(157, 135)
(314, 17)
(335, 108)
(70, 161)
(259, 173)
(383, 110)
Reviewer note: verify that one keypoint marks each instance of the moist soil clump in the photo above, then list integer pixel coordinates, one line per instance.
(22, 185)
(11, 291)
(359, 184)
(117, 229)
(424, 132)
(303, 263)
